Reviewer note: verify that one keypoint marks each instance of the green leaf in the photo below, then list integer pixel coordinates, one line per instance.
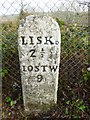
(11, 103)
(3, 72)
(8, 99)
(81, 102)
(3, 114)
(67, 102)
(9, 113)
(82, 107)
(66, 111)
(85, 77)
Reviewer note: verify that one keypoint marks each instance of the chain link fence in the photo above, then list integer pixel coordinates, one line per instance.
(72, 17)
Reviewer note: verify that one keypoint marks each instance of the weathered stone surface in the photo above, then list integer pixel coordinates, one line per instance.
(39, 54)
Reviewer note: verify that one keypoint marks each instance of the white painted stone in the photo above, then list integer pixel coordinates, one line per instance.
(39, 54)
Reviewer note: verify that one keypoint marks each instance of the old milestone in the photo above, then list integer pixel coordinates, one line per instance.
(39, 41)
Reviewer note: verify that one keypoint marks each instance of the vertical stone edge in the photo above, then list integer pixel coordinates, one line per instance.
(59, 36)
(22, 85)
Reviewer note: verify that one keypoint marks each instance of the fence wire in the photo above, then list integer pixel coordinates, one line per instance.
(72, 17)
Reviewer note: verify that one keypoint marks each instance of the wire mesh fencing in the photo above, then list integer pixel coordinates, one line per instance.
(72, 17)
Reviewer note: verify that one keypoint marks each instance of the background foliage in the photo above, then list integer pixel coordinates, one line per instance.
(74, 88)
